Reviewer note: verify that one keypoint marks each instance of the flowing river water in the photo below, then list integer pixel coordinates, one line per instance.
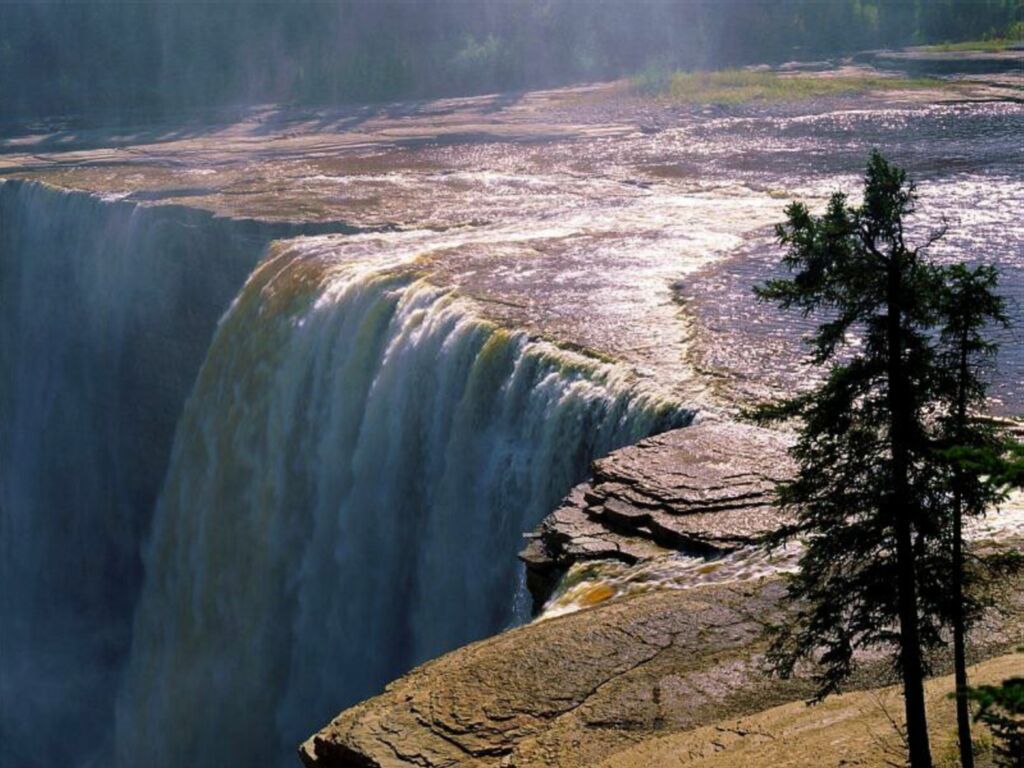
(280, 397)
(596, 581)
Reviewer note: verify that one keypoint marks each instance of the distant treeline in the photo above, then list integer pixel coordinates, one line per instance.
(80, 57)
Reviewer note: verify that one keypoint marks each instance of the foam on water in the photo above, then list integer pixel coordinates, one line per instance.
(589, 583)
(348, 487)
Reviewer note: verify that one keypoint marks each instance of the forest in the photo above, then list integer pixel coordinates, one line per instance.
(109, 58)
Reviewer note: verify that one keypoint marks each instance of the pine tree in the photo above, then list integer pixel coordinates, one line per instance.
(863, 493)
(973, 447)
(1002, 710)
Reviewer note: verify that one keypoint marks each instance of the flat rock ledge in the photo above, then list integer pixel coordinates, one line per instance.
(704, 489)
(566, 691)
(572, 691)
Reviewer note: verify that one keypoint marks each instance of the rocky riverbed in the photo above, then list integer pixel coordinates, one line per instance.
(703, 491)
(399, 335)
(574, 690)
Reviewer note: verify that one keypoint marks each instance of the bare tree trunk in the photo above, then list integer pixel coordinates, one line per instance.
(910, 654)
(963, 713)
(900, 408)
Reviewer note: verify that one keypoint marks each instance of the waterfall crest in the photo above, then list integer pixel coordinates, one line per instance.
(349, 484)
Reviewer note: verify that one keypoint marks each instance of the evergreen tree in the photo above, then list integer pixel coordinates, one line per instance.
(973, 447)
(1002, 710)
(866, 476)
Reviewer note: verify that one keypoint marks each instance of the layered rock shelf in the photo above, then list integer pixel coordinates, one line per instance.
(705, 489)
(567, 692)
(583, 687)
(573, 691)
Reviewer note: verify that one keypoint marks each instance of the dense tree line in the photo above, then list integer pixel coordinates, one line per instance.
(76, 57)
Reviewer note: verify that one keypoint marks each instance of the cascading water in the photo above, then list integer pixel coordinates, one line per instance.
(349, 484)
(106, 311)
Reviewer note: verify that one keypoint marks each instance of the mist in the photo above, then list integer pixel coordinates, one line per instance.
(299, 348)
(108, 59)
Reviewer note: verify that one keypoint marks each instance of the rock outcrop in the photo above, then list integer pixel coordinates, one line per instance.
(575, 690)
(704, 489)
(566, 691)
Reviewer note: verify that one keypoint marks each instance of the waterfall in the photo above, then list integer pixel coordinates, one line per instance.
(348, 487)
(340, 497)
(106, 312)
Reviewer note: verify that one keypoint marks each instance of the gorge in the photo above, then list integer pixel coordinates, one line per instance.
(282, 395)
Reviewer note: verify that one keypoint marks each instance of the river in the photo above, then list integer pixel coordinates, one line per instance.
(281, 393)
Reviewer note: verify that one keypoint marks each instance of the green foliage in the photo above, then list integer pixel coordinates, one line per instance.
(1011, 470)
(1001, 708)
(478, 64)
(975, 448)
(742, 86)
(101, 57)
(864, 471)
(981, 458)
(893, 451)
(972, 449)
(653, 80)
(993, 45)
(1010, 37)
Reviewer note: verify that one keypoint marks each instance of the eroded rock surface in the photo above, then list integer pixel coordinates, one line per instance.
(561, 692)
(575, 690)
(700, 489)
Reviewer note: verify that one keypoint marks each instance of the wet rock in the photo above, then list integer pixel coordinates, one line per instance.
(703, 489)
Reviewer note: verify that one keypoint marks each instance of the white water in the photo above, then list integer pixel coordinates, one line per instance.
(588, 583)
(304, 572)
(349, 484)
